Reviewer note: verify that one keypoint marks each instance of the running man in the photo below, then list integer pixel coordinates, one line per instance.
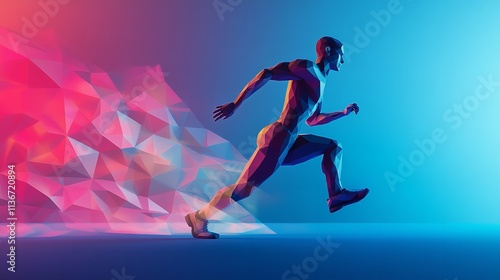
(279, 143)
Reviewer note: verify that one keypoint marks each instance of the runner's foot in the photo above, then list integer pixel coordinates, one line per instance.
(345, 197)
(199, 227)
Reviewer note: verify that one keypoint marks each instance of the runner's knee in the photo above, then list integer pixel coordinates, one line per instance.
(334, 147)
(242, 191)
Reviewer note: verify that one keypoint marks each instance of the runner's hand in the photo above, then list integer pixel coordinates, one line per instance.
(351, 108)
(224, 111)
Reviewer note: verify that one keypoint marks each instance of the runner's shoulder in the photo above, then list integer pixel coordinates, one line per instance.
(302, 67)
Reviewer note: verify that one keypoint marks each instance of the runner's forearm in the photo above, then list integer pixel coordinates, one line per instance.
(325, 118)
(256, 83)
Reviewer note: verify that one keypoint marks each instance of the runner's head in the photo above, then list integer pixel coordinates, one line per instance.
(331, 50)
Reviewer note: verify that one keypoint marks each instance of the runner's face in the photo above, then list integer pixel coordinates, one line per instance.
(337, 59)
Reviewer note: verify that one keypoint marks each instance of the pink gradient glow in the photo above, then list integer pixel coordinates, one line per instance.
(94, 157)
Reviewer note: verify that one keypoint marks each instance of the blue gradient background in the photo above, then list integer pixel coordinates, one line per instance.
(427, 58)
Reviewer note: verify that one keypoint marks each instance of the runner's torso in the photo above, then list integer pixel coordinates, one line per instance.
(302, 98)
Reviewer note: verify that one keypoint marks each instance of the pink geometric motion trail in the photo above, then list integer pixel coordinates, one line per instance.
(95, 153)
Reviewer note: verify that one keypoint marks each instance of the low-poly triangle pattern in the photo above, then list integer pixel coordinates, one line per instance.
(122, 152)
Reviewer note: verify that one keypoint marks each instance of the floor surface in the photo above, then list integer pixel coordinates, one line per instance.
(296, 252)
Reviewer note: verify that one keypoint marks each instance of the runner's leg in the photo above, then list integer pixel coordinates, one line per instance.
(272, 144)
